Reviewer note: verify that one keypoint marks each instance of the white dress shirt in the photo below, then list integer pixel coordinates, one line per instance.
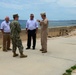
(5, 26)
(31, 24)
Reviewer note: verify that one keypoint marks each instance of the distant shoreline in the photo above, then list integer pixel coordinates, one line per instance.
(51, 24)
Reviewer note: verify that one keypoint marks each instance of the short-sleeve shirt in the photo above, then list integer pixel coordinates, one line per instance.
(31, 24)
(5, 26)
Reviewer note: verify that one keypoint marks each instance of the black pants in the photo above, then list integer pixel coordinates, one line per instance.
(31, 35)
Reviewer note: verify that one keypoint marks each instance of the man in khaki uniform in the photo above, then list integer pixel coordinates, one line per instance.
(44, 29)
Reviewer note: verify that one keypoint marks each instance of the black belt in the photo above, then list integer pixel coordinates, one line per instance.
(31, 30)
(6, 32)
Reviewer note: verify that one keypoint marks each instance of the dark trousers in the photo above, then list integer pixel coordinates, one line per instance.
(31, 35)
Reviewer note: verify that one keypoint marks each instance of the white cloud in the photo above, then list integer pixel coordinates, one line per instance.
(22, 4)
(48, 1)
(67, 3)
(71, 11)
(10, 5)
(14, 5)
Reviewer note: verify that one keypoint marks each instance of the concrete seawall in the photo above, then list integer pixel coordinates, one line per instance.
(53, 32)
(58, 31)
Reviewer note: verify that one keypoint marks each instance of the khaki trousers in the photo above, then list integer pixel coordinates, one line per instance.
(44, 40)
(6, 41)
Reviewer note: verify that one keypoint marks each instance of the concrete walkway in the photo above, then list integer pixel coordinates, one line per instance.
(61, 55)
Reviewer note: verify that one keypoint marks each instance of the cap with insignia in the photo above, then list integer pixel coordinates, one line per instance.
(43, 14)
(15, 15)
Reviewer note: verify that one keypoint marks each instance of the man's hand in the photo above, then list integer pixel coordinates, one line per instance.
(26, 30)
(38, 20)
(36, 30)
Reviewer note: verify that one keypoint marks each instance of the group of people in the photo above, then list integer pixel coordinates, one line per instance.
(11, 30)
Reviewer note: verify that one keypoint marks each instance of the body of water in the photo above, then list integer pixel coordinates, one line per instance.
(52, 24)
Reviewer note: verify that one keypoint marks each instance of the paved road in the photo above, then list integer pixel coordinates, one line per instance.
(61, 55)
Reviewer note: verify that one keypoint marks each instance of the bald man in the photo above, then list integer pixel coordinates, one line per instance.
(5, 29)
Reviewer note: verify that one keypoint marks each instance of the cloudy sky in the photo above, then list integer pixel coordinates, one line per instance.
(55, 9)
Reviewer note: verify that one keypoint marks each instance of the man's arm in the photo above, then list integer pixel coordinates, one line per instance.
(27, 27)
(45, 22)
(1, 28)
(36, 26)
(18, 27)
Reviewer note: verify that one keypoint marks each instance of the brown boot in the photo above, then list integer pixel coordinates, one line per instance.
(41, 49)
(5, 50)
(14, 54)
(44, 51)
(22, 55)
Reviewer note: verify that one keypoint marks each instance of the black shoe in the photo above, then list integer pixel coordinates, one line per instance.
(27, 48)
(33, 48)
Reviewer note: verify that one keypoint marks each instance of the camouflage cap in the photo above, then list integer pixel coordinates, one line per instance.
(15, 15)
(43, 14)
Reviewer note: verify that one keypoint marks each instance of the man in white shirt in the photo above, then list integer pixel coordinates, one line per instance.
(31, 29)
(5, 29)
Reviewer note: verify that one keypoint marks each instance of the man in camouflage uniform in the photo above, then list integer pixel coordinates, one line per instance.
(44, 30)
(15, 36)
